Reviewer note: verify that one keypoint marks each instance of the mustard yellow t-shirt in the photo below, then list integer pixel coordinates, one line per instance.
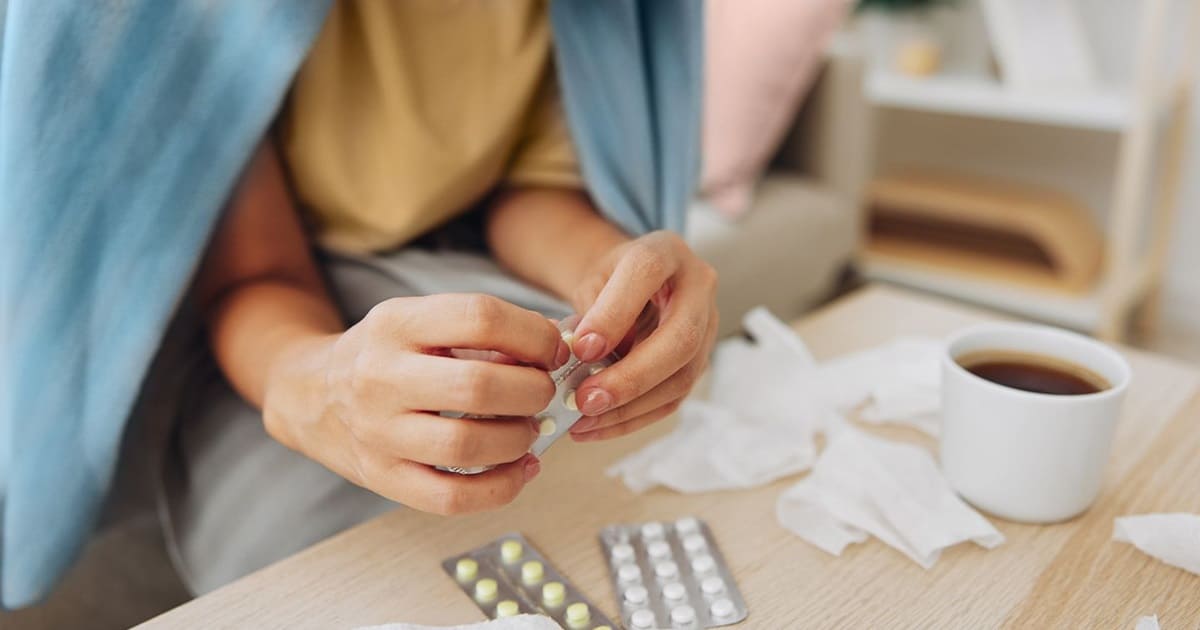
(408, 112)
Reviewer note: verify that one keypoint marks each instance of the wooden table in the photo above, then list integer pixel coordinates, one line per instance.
(1069, 575)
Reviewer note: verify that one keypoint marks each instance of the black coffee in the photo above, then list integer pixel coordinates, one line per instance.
(1033, 373)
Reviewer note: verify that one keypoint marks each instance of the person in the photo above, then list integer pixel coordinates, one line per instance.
(397, 247)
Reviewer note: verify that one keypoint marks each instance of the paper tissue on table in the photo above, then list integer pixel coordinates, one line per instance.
(863, 484)
(767, 401)
(1171, 538)
(769, 398)
(519, 622)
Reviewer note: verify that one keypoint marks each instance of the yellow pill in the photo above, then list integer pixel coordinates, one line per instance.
(466, 569)
(569, 401)
(532, 572)
(602, 628)
(485, 590)
(568, 338)
(578, 615)
(507, 608)
(510, 551)
(553, 593)
(547, 427)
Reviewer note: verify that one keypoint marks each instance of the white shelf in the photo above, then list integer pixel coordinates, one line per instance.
(1098, 109)
(1081, 312)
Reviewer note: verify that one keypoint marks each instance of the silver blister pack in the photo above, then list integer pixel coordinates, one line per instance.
(509, 577)
(563, 412)
(670, 575)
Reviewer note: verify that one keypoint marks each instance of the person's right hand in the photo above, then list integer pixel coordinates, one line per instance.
(365, 403)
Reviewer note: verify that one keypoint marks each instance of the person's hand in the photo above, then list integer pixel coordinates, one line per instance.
(654, 295)
(365, 403)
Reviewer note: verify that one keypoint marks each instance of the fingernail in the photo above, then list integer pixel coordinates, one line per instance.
(532, 468)
(590, 347)
(562, 355)
(584, 425)
(596, 402)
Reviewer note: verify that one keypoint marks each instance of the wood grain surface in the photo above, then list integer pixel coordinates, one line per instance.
(1067, 575)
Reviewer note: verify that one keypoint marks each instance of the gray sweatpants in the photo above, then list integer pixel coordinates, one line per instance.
(235, 500)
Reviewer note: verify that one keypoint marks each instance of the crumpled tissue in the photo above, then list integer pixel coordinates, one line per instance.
(1172, 538)
(757, 425)
(862, 485)
(767, 401)
(769, 398)
(519, 622)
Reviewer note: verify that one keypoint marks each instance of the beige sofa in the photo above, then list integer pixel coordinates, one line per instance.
(790, 250)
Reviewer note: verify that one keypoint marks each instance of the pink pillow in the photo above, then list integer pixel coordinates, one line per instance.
(762, 56)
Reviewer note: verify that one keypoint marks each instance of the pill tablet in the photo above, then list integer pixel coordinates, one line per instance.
(602, 628)
(652, 531)
(511, 551)
(485, 590)
(466, 569)
(568, 338)
(722, 608)
(642, 619)
(622, 552)
(629, 573)
(712, 585)
(694, 543)
(569, 400)
(674, 591)
(703, 564)
(547, 426)
(507, 608)
(659, 550)
(683, 615)
(553, 593)
(578, 615)
(595, 369)
(666, 570)
(636, 595)
(687, 525)
(532, 572)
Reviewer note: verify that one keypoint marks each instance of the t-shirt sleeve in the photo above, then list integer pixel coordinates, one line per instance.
(545, 155)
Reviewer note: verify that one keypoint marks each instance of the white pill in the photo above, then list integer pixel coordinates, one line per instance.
(674, 591)
(722, 608)
(642, 619)
(652, 531)
(694, 543)
(547, 426)
(595, 369)
(683, 615)
(629, 573)
(687, 525)
(712, 585)
(659, 550)
(568, 337)
(666, 570)
(622, 552)
(636, 595)
(569, 400)
(703, 564)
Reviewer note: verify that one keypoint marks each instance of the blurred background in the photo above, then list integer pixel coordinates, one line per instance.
(1029, 156)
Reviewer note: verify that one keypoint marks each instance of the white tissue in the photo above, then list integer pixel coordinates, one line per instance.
(768, 399)
(1147, 623)
(901, 382)
(756, 427)
(1171, 538)
(520, 622)
(862, 484)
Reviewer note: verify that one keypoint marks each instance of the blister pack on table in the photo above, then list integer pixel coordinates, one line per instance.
(671, 575)
(508, 577)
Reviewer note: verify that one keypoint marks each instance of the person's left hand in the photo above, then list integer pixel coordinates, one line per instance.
(655, 280)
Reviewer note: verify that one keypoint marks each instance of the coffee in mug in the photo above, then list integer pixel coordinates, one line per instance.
(1035, 373)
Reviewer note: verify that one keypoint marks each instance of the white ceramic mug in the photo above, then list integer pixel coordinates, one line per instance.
(1026, 456)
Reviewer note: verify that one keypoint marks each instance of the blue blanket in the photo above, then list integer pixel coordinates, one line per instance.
(123, 127)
